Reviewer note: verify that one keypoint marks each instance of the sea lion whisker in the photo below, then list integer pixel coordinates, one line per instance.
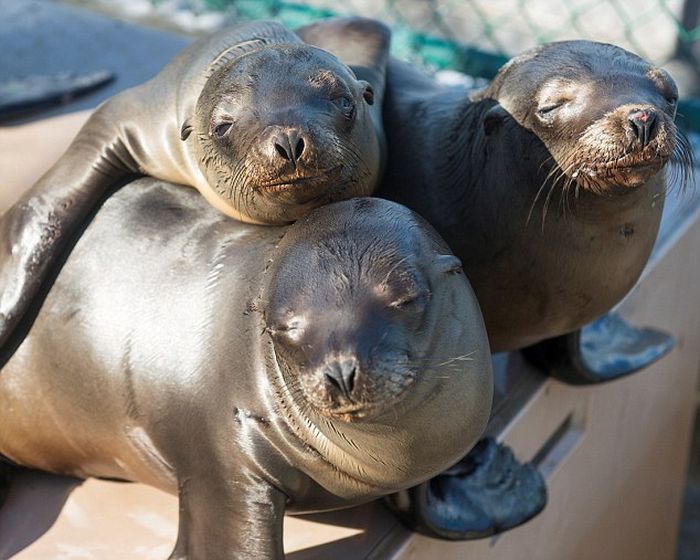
(683, 159)
(545, 208)
(539, 191)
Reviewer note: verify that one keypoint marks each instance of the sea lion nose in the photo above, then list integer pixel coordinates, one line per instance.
(341, 376)
(641, 124)
(289, 144)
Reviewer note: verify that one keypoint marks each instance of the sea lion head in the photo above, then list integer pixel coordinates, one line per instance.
(283, 129)
(376, 330)
(604, 115)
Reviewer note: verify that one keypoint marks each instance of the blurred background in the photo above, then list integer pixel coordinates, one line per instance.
(470, 35)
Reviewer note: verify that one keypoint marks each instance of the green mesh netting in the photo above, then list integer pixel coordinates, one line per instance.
(455, 33)
(477, 36)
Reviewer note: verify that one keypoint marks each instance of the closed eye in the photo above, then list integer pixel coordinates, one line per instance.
(408, 302)
(548, 108)
(222, 128)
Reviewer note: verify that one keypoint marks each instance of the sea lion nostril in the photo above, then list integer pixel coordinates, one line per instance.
(642, 125)
(299, 149)
(342, 377)
(289, 144)
(282, 151)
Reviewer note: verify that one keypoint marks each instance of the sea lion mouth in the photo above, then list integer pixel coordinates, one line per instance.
(630, 170)
(300, 182)
(605, 157)
(354, 411)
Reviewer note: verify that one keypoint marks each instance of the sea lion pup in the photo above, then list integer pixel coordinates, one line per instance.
(250, 369)
(548, 184)
(263, 125)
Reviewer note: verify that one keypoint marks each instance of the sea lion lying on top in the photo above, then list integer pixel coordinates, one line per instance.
(251, 370)
(264, 126)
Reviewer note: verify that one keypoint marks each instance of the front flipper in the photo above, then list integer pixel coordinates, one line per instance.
(604, 350)
(37, 232)
(363, 45)
(233, 517)
(486, 493)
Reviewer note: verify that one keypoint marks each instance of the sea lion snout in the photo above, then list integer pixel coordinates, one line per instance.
(350, 364)
(291, 151)
(349, 388)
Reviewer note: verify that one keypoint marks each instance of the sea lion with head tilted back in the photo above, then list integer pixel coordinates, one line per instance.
(549, 183)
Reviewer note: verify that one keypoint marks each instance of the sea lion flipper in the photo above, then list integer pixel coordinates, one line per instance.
(363, 45)
(37, 230)
(23, 96)
(486, 493)
(234, 514)
(604, 350)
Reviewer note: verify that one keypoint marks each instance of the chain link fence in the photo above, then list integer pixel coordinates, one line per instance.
(472, 36)
(437, 31)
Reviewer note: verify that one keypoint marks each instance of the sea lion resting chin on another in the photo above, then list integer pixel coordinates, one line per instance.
(265, 126)
(250, 370)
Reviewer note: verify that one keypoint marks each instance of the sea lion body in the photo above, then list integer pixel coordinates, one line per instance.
(175, 349)
(528, 183)
(263, 125)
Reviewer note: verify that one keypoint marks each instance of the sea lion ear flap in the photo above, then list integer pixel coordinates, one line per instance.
(367, 91)
(186, 130)
(448, 264)
(494, 117)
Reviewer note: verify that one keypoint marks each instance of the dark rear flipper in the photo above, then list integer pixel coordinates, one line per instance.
(7, 471)
(604, 350)
(22, 96)
(486, 493)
